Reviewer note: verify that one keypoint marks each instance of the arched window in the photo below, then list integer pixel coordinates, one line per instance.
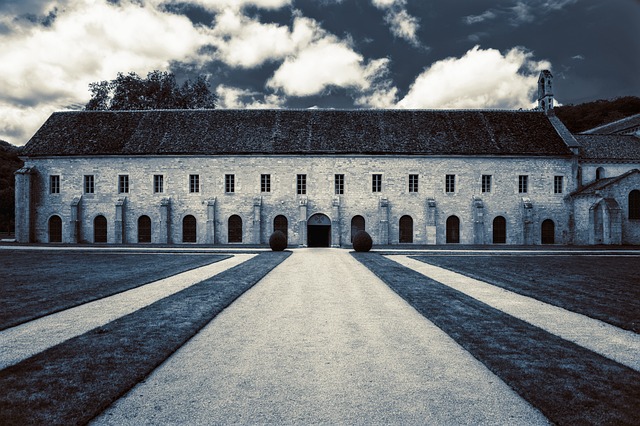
(406, 229)
(100, 229)
(634, 204)
(600, 173)
(235, 229)
(189, 229)
(357, 225)
(548, 232)
(281, 224)
(499, 230)
(144, 229)
(55, 229)
(453, 230)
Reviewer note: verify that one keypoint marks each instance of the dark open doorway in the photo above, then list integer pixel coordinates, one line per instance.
(319, 231)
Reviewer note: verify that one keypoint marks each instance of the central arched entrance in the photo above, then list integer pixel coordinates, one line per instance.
(319, 231)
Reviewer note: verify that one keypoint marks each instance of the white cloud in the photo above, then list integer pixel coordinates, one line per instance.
(474, 19)
(236, 98)
(479, 79)
(401, 23)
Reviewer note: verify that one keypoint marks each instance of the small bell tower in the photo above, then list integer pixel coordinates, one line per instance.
(545, 91)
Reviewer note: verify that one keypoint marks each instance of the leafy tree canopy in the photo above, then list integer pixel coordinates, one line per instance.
(579, 118)
(159, 90)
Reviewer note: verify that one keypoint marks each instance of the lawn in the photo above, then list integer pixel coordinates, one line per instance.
(38, 283)
(602, 287)
(566, 382)
(76, 380)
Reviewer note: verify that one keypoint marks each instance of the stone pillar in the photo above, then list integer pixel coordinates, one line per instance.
(478, 221)
(335, 223)
(74, 221)
(431, 221)
(23, 228)
(257, 222)
(211, 221)
(120, 236)
(164, 236)
(302, 221)
(527, 221)
(384, 220)
(615, 220)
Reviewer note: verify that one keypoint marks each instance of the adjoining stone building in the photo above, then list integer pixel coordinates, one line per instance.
(235, 176)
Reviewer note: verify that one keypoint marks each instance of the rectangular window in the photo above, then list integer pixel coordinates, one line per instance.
(123, 184)
(376, 183)
(486, 183)
(265, 183)
(89, 187)
(158, 184)
(194, 183)
(339, 184)
(413, 183)
(523, 186)
(229, 184)
(301, 184)
(557, 184)
(450, 183)
(54, 184)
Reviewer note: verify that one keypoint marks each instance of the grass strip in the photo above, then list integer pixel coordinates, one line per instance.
(567, 383)
(604, 288)
(76, 380)
(38, 283)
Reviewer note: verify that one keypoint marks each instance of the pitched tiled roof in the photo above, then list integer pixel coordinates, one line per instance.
(220, 132)
(619, 126)
(603, 183)
(609, 147)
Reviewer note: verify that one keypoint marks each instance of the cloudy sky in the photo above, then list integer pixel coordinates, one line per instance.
(318, 53)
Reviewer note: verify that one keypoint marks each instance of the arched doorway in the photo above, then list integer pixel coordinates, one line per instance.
(548, 232)
(100, 229)
(634, 204)
(55, 229)
(280, 223)
(499, 230)
(406, 229)
(144, 229)
(453, 230)
(235, 229)
(319, 231)
(189, 229)
(357, 225)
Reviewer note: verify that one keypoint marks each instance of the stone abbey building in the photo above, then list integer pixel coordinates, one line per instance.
(404, 176)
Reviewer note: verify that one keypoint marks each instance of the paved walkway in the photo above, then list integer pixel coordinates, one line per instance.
(620, 345)
(321, 340)
(20, 342)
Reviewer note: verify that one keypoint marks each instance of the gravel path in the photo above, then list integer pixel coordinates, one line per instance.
(321, 340)
(20, 342)
(620, 345)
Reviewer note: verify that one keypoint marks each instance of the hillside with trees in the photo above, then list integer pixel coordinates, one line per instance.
(9, 163)
(581, 117)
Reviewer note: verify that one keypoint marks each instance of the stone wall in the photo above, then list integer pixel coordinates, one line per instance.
(429, 207)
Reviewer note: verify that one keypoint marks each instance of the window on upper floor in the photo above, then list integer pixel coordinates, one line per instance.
(301, 184)
(229, 184)
(557, 184)
(339, 184)
(376, 183)
(123, 184)
(194, 183)
(265, 183)
(89, 184)
(158, 184)
(523, 184)
(413, 183)
(54, 184)
(450, 183)
(486, 183)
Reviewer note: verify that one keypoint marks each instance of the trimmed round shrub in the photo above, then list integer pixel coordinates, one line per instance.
(362, 241)
(278, 241)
